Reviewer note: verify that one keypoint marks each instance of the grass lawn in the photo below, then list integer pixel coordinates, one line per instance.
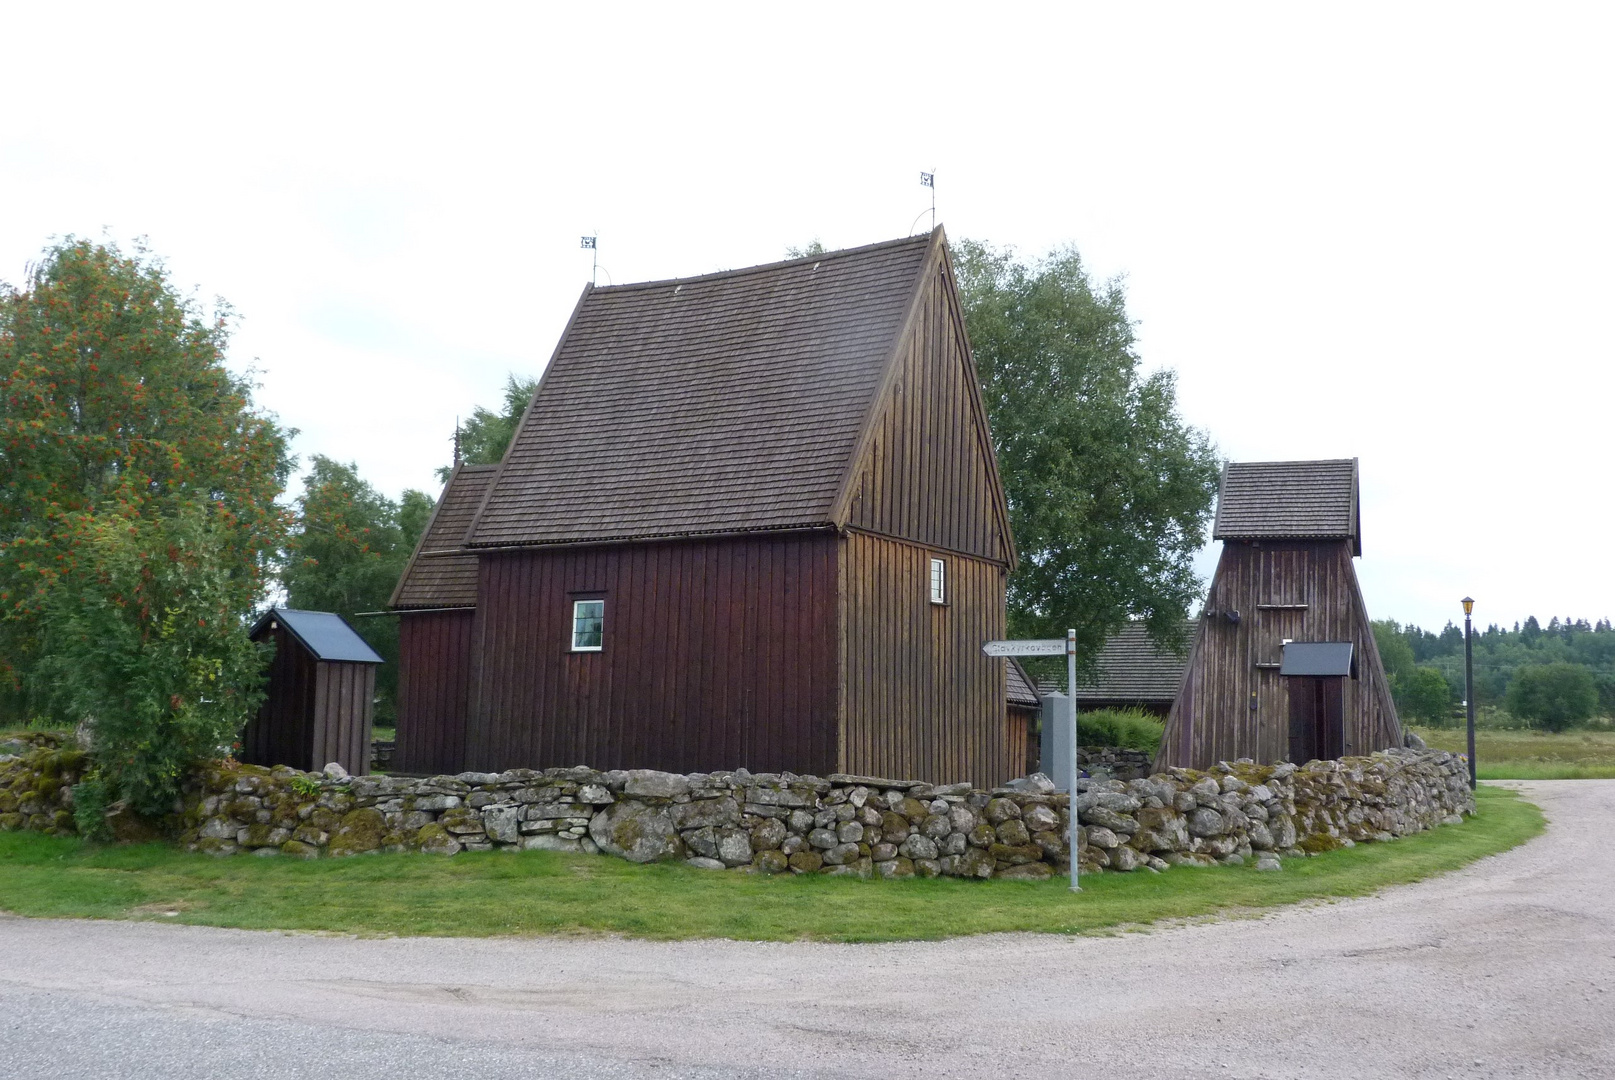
(1532, 755)
(546, 893)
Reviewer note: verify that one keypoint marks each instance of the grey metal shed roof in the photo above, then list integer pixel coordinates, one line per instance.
(1316, 658)
(1295, 500)
(325, 634)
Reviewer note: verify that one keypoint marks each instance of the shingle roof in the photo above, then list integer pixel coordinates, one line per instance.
(325, 634)
(440, 573)
(724, 403)
(1289, 500)
(1132, 667)
(1018, 688)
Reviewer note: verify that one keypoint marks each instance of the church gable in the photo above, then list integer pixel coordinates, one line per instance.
(927, 472)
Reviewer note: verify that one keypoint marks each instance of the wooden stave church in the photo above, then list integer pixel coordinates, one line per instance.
(771, 609)
(1290, 531)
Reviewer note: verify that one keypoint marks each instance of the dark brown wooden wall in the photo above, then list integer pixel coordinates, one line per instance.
(927, 473)
(280, 733)
(919, 698)
(434, 691)
(718, 654)
(315, 713)
(1212, 719)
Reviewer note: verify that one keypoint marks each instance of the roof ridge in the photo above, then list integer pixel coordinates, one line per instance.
(1299, 461)
(840, 253)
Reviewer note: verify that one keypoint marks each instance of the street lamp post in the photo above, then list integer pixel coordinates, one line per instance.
(1469, 684)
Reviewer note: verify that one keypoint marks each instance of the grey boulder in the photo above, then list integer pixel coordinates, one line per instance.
(637, 832)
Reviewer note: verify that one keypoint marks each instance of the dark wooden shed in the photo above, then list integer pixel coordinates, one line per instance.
(749, 519)
(1284, 665)
(322, 689)
(1134, 671)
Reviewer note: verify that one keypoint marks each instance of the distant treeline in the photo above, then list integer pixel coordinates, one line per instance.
(1565, 669)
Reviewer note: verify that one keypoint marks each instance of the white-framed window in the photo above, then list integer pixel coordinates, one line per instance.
(939, 581)
(588, 625)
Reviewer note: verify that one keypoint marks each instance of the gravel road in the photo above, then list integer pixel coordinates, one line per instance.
(1504, 969)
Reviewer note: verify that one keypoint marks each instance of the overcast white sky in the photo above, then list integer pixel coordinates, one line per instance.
(1381, 231)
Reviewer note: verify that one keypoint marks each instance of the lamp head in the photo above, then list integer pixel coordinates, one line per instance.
(1469, 606)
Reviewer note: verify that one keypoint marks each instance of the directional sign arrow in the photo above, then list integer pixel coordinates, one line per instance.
(1043, 647)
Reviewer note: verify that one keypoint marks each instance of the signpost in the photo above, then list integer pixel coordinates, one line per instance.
(1055, 647)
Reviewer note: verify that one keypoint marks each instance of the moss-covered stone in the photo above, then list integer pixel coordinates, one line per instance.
(1315, 843)
(435, 840)
(360, 831)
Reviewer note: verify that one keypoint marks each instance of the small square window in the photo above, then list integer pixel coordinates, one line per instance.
(588, 625)
(939, 581)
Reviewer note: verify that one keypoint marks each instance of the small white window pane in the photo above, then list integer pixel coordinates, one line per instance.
(939, 581)
(588, 625)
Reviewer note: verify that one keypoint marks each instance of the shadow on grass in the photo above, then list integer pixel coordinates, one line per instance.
(480, 894)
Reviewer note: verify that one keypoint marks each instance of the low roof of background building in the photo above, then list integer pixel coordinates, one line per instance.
(1132, 667)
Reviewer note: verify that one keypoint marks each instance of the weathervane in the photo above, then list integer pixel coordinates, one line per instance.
(927, 180)
(592, 244)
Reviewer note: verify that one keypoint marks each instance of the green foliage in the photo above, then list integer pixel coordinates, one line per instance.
(349, 545)
(1554, 696)
(541, 892)
(306, 786)
(114, 393)
(144, 637)
(414, 511)
(808, 250)
(1500, 652)
(1109, 491)
(483, 438)
(1422, 694)
(1394, 651)
(1134, 729)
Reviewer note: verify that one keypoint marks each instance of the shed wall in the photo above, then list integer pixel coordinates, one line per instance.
(434, 691)
(1301, 591)
(718, 653)
(279, 734)
(919, 698)
(344, 695)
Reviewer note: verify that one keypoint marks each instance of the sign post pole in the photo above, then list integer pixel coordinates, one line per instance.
(1055, 647)
(1071, 692)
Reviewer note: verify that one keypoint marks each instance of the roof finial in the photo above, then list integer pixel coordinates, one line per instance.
(592, 244)
(456, 442)
(928, 180)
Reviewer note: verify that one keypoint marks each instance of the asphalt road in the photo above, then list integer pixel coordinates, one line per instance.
(1504, 969)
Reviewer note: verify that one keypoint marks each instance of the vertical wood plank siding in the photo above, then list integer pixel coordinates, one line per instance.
(717, 654)
(434, 691)
(280, 733)
(1212, 719)
(316, 712)
(920, 699)
(926, 475)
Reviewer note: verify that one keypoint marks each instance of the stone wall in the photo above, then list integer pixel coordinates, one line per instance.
(1113, 762)
(776, 823)
(37, 774)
